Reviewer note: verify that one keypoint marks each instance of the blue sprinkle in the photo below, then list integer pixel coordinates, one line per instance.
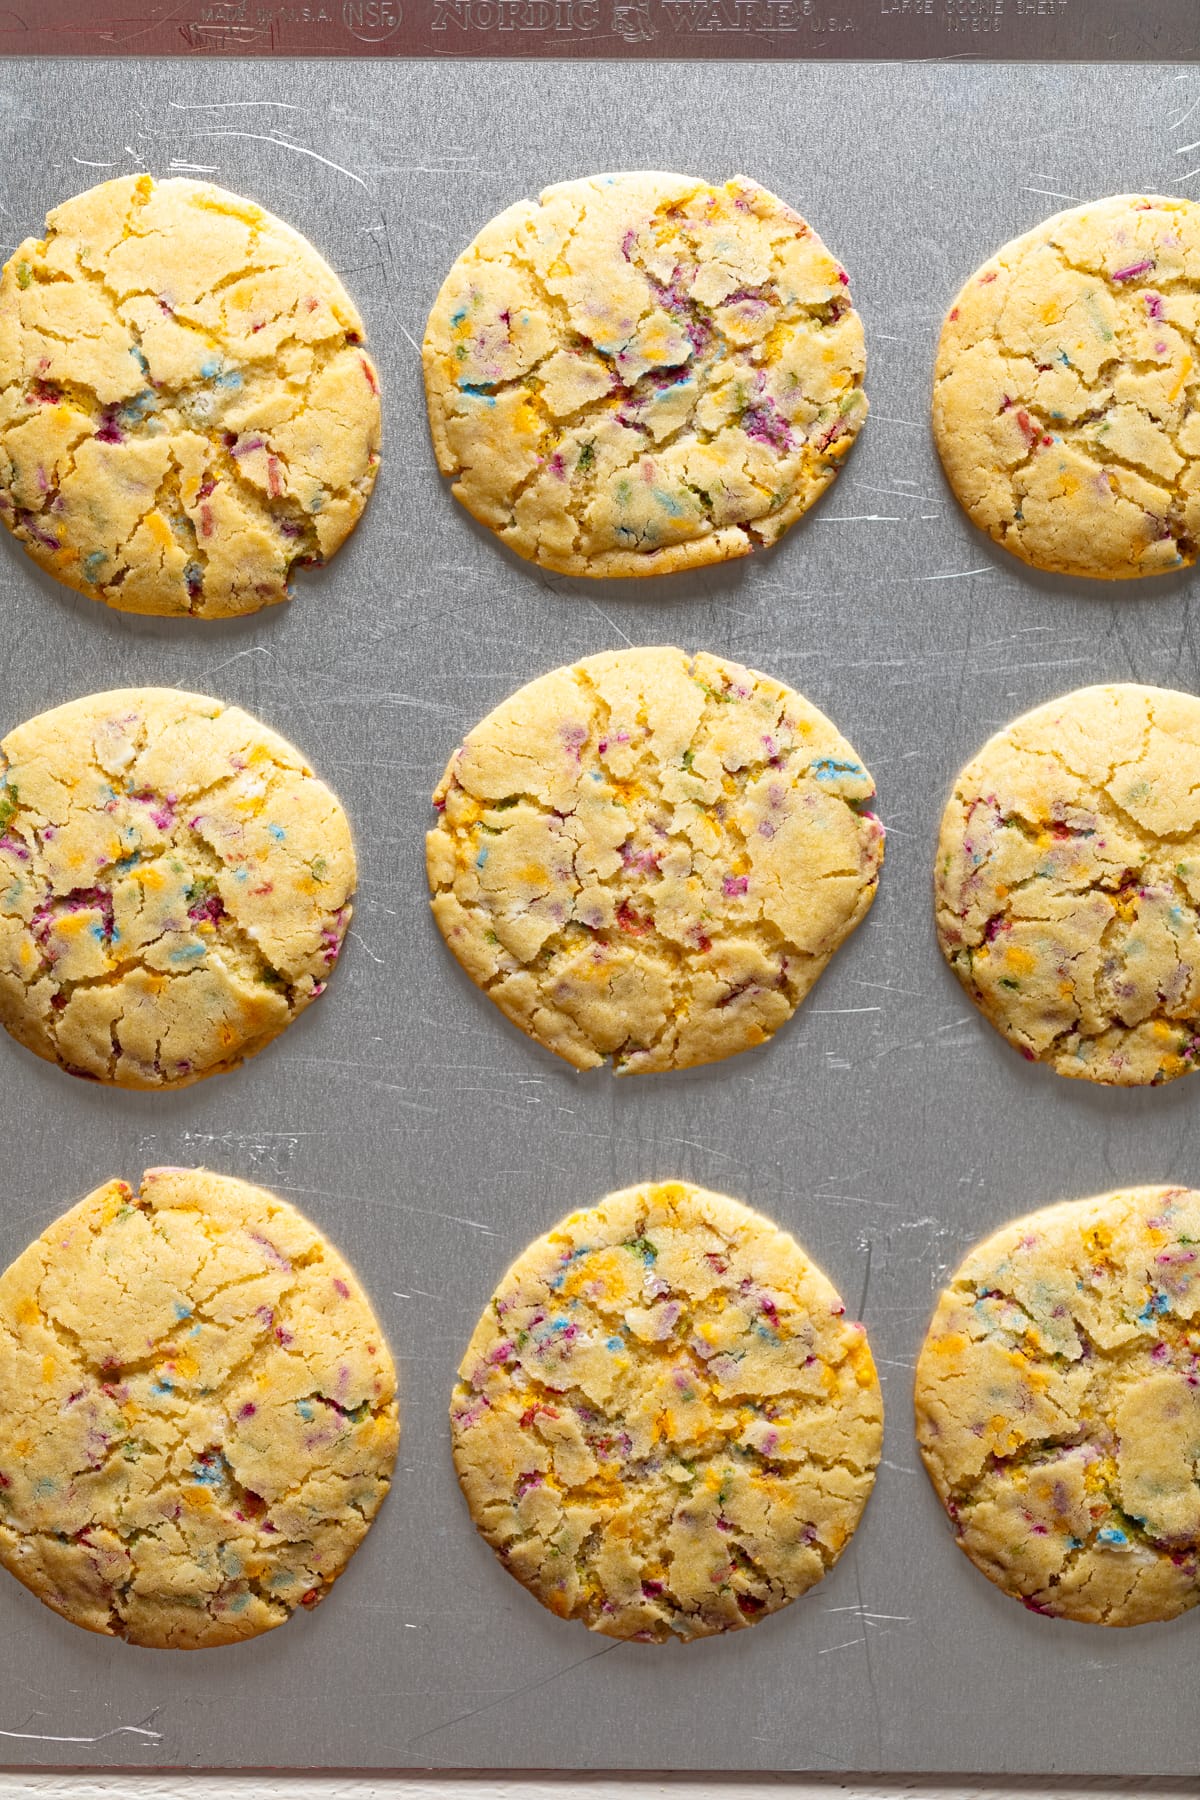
(240, 875)
(162, 1387)
(93, 564)
(135, 410)
(139, 359)
(277, 832)
(304, 1408)
(230, 379)
(208, 1474)
(458, 317)
(828, 768)
(43, 1486)
(1110, 1535)
(195, 1332)
(182, 1311)
(481, 858)
(240, 1603)
(1157, 1304)
(98, 932)
(284, 1579)
(614, 1343)
(187, 953)
(210, 366)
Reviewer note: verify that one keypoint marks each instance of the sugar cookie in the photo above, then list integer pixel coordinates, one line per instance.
(1058, 1406)
(652, 857)
(175, 885)
(198, 1418)
(664, 1425)
(642, 373)
(187, 413)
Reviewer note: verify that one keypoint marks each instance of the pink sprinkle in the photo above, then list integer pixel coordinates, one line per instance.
(1154, 305)
(341, 1288)
(1132, 269)
(248, 1411)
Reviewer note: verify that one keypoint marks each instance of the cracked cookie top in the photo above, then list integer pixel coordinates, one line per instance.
(187, 414)
(198, 1418)
(1058, 1406)
(652, 857)
(1066, 403)
(664, 1424)
(1067, 886)
(175, 885)
(642, 373)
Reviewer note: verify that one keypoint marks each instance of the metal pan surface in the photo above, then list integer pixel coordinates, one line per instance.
(888, 1125)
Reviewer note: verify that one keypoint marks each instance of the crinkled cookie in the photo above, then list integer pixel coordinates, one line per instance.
(664, 1424)
(198, 1418)
(1058, 1406)
(175, 885)
(187, 414)
(652, 857)
(643, 373)
(1066, 403)
(1067, 885)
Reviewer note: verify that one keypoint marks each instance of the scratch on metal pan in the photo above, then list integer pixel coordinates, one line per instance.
(282, 143)
(51, 1737)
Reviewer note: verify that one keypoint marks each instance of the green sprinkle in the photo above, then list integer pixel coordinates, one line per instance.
(642, 1247)
(24, 274)
(319, 867)
(1008, 982)
(587, 457)
(687, 759)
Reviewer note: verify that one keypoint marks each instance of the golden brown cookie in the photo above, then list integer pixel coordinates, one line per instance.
(664, 1424)
(1066, 403)
(1067, 884)
(652, 857)
(175, 885)
(198, 1418)
(187, 413)
(641, 373)
(1058, 1406)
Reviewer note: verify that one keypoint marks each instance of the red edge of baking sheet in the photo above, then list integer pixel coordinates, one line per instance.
(995, 30)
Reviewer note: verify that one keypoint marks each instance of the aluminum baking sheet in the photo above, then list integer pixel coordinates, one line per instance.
(888, 1125)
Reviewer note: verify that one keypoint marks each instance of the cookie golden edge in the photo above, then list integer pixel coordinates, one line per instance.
(229, 1197)
(733, 1218)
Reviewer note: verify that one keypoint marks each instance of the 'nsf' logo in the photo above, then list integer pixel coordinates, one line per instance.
(371, 21)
